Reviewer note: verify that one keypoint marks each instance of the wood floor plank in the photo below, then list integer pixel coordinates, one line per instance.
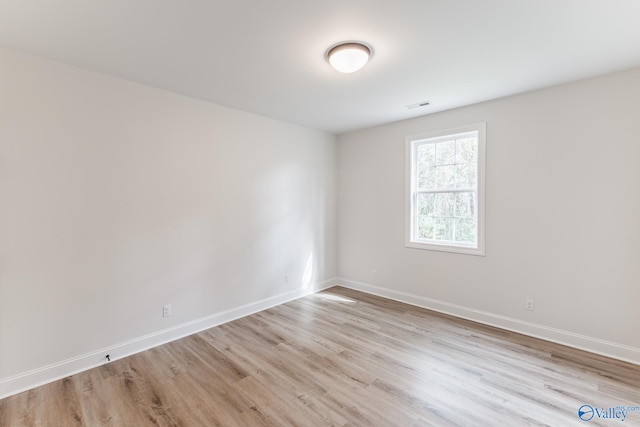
(339, 358)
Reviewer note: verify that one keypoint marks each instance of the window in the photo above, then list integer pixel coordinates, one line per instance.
(445, 190)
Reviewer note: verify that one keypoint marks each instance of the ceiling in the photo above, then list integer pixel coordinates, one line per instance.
(267, 57)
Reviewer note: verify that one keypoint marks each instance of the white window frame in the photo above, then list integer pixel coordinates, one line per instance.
(411, 240)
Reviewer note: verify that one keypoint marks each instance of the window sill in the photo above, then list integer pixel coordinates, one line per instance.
(446, 248)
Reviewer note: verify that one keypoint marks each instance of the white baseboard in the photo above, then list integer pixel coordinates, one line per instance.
(582, 342)
(46, 374)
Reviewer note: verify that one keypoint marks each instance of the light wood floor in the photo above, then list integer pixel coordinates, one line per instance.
(339, 357)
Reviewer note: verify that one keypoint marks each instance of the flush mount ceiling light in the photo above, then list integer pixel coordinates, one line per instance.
(348, 57)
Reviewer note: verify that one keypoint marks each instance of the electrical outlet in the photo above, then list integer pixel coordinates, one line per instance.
(529, 304)
(374, 273)
(286, 279)
(166, 310)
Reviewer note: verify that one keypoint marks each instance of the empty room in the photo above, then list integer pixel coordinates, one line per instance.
(296, 213)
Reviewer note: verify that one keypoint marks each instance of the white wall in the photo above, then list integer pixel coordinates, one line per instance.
(562, 217)
(117, 198)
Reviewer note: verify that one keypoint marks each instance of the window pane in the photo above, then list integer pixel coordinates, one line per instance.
(465, 205)
(444, 228)
(465, 230)
(426, 155)
(425, 204)
(426, 227)
(427, 177)
(466, 150)
(466, 176)
(445, 176)
(446, 152)
(444, 204)
(425, 223)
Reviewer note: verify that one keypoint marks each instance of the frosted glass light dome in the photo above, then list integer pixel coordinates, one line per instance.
(349, 56)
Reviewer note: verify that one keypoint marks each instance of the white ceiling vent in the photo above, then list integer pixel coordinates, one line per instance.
(418, 105)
